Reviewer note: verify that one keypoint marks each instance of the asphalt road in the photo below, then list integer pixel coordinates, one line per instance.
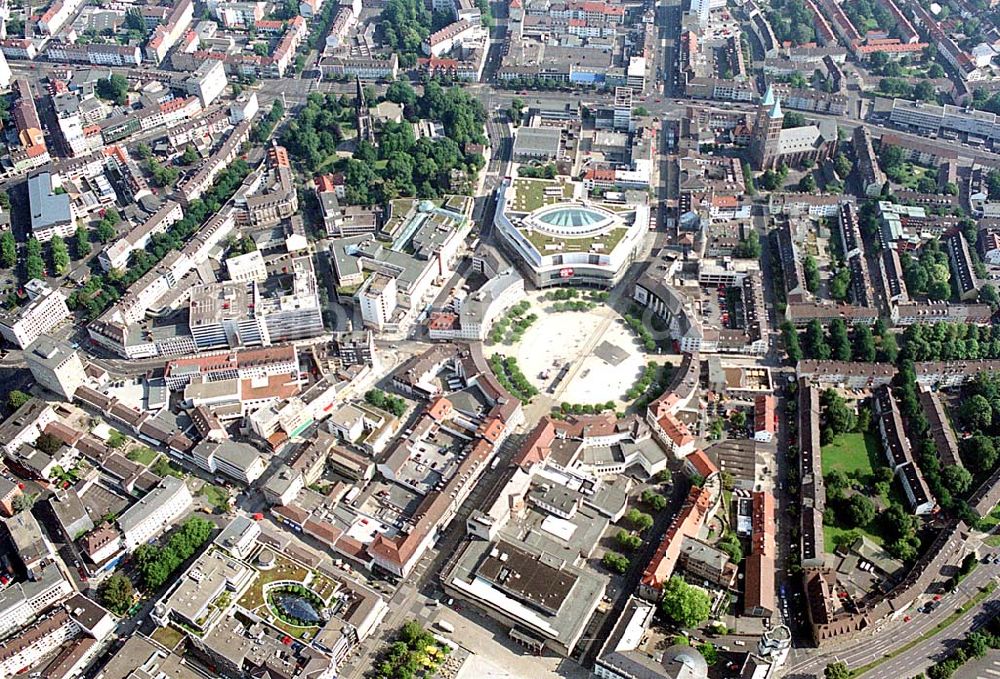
(888, 636)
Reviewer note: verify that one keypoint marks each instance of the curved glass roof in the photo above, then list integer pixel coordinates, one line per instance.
(572, 217)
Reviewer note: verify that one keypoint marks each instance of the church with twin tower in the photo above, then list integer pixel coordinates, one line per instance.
(772, 144)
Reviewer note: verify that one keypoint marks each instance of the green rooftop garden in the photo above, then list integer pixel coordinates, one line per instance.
(609, 239)
(529, 194)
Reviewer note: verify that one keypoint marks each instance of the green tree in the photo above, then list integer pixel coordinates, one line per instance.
(815, 341)
(977, 413)
(17, 398)
(924, 91)
(8, 250)
(769, 181)
(988, 295)
(840, 343)
(842, 165)
(837, 670)
(49, 444)
(957, 479)
(686, 605)
(34, 265)
(401, 92)
(836, 481)
(113, 89)
(793, 119)
(106, 227)
(615, 562)
(791, 340)
(23, 502)
(811, 272)
(840, 284)
(81, 242)
(864, 344)
(836, 414)
(859, 510)
(190, 155)
(654, 500)
(709, 653)
(730, 544)
(639, 520)
(888, 348)
(749, 248)
(980, 453)
(117, 594)
(628, 542)
(807, 184)
(60, 254)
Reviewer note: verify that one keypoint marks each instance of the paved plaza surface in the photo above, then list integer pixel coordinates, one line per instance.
(603, 354)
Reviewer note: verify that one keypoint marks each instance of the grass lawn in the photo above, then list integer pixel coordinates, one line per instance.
(911, 175)
(608, 241)
(857, 455)
(142, 455)
(215, 496)
(164, 467)
(830, 533)
(529, 194)
(168, 637)
(296, 632)
(852, 452)
(991, 520)
(284, 569)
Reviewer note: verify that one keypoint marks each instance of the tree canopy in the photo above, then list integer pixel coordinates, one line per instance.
(686, 605)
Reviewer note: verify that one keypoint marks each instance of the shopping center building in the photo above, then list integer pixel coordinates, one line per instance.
(560, 240)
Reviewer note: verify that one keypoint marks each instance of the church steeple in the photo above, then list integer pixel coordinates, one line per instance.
(776, 109)
(768, 96)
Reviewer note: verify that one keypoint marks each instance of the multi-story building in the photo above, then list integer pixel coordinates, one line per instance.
(166, 34)
(477, 311)
(547, 242)
(243, 364)
(155, 512)
(66, 106)
(962, 266)
(51, 211)
(443, 41)
(57, 14)
(116, 255)
(207, 82)
(870, 174)
(25, 425)
(272, 197)
(377, 298)
(365, 68)
(930, 118)
(192, 187)
(96, 54)
(247, 267)
(898, 454)
(45, 310)
(236, 460)
(56, 366)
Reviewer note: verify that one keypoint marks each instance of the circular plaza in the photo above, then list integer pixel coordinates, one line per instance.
(577, 356)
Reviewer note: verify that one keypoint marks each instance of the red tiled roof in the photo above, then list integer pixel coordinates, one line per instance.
(537, 445)
(701, 463)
